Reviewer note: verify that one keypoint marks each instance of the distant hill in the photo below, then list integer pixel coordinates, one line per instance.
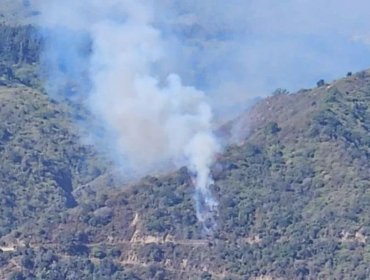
(294, 195)
(18, 12)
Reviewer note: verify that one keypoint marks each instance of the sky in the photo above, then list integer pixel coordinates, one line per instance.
(251, 47)
(261, 45)
(239, 50)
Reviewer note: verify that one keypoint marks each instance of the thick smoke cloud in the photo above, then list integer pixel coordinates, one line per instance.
(156, 122)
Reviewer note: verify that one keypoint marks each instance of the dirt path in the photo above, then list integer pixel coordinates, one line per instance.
(7, 248)
(136, 262)
(185, 242)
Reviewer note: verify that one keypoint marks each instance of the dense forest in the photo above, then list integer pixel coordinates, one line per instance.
(294, 193)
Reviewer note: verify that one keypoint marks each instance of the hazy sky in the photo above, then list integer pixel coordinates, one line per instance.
(255, 46)
(237, 50)
(264, 44)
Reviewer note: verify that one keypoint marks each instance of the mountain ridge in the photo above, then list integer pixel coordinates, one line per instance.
(292, 196)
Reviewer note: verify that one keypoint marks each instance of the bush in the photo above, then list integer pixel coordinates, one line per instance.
(272, 128)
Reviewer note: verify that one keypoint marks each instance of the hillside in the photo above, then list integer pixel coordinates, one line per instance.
(294, 197)
(293, 191)
(15, 12)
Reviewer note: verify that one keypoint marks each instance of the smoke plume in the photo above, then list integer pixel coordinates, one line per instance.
(110, 54)
(158, 75)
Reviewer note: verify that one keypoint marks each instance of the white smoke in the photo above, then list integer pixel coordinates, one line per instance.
(233, 51)
(200, 151)
(156, 122)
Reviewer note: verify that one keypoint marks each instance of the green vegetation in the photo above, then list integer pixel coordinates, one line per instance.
(19, 55)
(42, 160)
(294, 196)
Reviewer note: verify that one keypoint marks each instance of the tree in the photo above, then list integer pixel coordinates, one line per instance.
(320, 83)
(280, 91)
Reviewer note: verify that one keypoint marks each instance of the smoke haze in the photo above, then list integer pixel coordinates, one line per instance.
(156, 121)
(159, 75)
(235, 51)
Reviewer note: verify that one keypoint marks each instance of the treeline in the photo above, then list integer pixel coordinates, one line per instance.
(19, 44)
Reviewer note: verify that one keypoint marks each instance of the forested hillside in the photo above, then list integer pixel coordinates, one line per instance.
(294, 193)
